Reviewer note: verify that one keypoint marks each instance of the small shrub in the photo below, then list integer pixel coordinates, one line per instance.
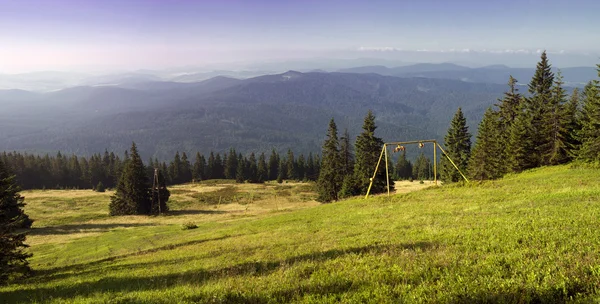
(421, 182)
(188, 226)
(100, 187)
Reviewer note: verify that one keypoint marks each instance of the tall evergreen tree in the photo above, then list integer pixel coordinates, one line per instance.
(211, 166)
(330, 178)
(573, 125)
(458, 148)
(174, 169)
(368, 149)
(273, 165)
(556, 120)
(589, 135)
(185, 171)
(219, 168)
(199, 167)
(261, 171)
(240, 172)
(13, 259)
(132, 195)
(282, 170)
(231, 164)
(520, 144)
(301, 167)
(508, 109)
(252, 168)
(403, 167)
(291, 166)
(422, 169)
(538, 105)
(486, 160)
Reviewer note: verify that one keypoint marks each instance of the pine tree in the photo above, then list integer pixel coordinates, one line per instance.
(185, 171)
(13, 260)
(174, 169)
(291, 166)
(573, 126)
(273, 165)
(199, 167)
(508, 109)
(486, 160)
(458, 148)
(132, 195)
(231, 164)
(589, 135)
(100, 187)
(261, 171)
(301, 167)
(520, 143)
(252, 168)
(330, 178)
(368, 149)
(538, 105)
(282, 170)
(422, 168)
(556, 121)
(211, 167)
(403, 167)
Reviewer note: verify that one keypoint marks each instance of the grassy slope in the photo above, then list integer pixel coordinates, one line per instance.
(527, 238)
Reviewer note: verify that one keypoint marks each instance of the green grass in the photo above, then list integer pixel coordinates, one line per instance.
(532, 237)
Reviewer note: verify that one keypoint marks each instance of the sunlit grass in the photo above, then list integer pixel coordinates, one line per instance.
(531, 237)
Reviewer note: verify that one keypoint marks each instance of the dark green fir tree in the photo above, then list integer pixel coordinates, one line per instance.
(458, 148)
(132, 194)
(330, 178)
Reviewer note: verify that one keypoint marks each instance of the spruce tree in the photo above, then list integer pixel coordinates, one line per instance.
(403, 167)
(589, 135)
(486, 159)
(330, 178)
(185, 171)
(281, 170)
(573, 125)
(231, 164)
(174, 169)
(199, 167)
(252, 168)
(13, 260)
(301, 167)
(556, 120)
(520, 144)
(211, 166)
(458, 148)
(273, 165)
(132, 194)
(261, 170)
(368, 149)
(508, 109)
(538, 106)
(291, 166)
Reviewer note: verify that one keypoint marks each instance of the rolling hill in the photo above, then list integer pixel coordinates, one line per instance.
(527, 238)
(288, 110)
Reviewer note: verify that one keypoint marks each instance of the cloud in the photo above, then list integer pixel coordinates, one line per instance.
(378, 49)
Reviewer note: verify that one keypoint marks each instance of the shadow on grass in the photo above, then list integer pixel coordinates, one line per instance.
(196, 277)
(78, 228)
(194, 212)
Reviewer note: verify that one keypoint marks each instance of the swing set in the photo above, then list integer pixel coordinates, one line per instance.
(400, 146)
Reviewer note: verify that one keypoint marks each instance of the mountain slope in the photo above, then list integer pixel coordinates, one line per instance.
(527, 238)
(288, 110)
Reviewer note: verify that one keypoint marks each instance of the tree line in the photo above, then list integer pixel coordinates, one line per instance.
(543, 127)
(103, 170)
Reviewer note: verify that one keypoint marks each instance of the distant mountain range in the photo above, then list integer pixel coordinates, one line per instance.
(574, 76)
(53, 81)
(287, 110)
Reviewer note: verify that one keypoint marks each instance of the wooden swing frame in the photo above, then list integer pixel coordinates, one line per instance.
(421, 143)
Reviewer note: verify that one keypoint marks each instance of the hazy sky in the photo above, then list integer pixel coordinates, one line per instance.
(76, 34)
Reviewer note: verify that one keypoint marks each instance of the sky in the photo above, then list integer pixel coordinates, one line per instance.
(85, 34)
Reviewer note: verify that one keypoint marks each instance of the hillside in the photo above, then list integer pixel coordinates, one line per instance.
(526, 238)
(288, 110)
(498, 74)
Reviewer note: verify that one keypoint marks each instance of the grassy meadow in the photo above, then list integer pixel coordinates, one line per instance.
(528, 238)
